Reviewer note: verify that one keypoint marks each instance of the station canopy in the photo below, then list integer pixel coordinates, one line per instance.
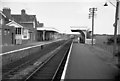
(47, 29)
(84, 28)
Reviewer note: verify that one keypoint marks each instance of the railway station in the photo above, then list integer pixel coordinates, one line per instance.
(55, 41)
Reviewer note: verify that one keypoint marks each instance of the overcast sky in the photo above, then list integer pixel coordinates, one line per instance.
(62, 14)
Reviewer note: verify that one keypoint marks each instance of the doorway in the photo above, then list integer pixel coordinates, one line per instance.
(12, 38)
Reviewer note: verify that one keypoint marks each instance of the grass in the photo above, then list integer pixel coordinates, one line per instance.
(101, 41)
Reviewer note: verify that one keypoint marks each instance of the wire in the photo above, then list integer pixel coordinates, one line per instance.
(112, 3)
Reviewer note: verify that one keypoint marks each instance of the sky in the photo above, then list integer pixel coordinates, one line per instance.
(62, 14)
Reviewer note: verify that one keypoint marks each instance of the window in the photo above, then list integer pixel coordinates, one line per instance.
(25, 34)
(18, 31)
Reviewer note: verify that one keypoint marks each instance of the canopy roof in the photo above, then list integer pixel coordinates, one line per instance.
(47, 29)
(84, 28)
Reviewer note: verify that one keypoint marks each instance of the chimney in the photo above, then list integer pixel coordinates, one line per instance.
(7, 12)
(23, 15)
(23, 12)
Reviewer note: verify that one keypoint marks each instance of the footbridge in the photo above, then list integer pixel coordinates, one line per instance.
(85, 33)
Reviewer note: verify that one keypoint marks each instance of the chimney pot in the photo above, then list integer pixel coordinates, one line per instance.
(23, 12)
(7, 12)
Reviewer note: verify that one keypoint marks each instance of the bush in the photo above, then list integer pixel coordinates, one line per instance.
(111, 40)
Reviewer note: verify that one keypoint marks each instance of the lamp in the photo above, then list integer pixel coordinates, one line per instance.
(115, 48)
(106, 4)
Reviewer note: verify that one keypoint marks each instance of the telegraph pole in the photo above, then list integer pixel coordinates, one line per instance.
(92, 14)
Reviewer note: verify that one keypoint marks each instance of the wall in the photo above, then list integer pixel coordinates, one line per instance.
(39, 36)
(7, 37)
(49, 35)
(31, 31)
(0, 36)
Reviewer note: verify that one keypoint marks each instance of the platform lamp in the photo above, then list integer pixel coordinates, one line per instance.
(115, 26)
(106, 4)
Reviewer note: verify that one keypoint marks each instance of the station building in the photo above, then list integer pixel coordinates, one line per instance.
(7, 33)
(24, 26)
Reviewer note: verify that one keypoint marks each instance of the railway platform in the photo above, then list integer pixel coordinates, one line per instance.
(49, 57)
(86, 62)
(9, 48)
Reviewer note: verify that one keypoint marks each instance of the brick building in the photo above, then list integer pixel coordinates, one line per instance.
(28, 23)
(6, 32)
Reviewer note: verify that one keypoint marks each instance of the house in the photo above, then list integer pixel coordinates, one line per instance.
(6, 32)
(27, 23)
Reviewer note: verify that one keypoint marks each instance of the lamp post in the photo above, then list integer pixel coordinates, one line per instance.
(92, 14)
(115, 27)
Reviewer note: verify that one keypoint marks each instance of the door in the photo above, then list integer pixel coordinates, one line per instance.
(12, 38)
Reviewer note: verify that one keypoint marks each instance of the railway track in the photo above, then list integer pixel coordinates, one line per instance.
(51, 69)
(12, 68)
(61, 54)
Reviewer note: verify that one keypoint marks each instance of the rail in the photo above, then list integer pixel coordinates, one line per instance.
(54, 77)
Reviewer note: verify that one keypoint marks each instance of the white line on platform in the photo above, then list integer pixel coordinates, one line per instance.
(66, 64)
(26, 48)
(20, 49)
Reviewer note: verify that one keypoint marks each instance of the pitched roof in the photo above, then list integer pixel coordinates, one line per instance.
(7, 20)
(13, 23)
(27, 18)
(2, 14)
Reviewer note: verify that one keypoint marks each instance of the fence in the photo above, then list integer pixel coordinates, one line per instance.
(89, 41)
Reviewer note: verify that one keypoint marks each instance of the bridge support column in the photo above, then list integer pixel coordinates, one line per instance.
(85, 32)
(43, 35)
